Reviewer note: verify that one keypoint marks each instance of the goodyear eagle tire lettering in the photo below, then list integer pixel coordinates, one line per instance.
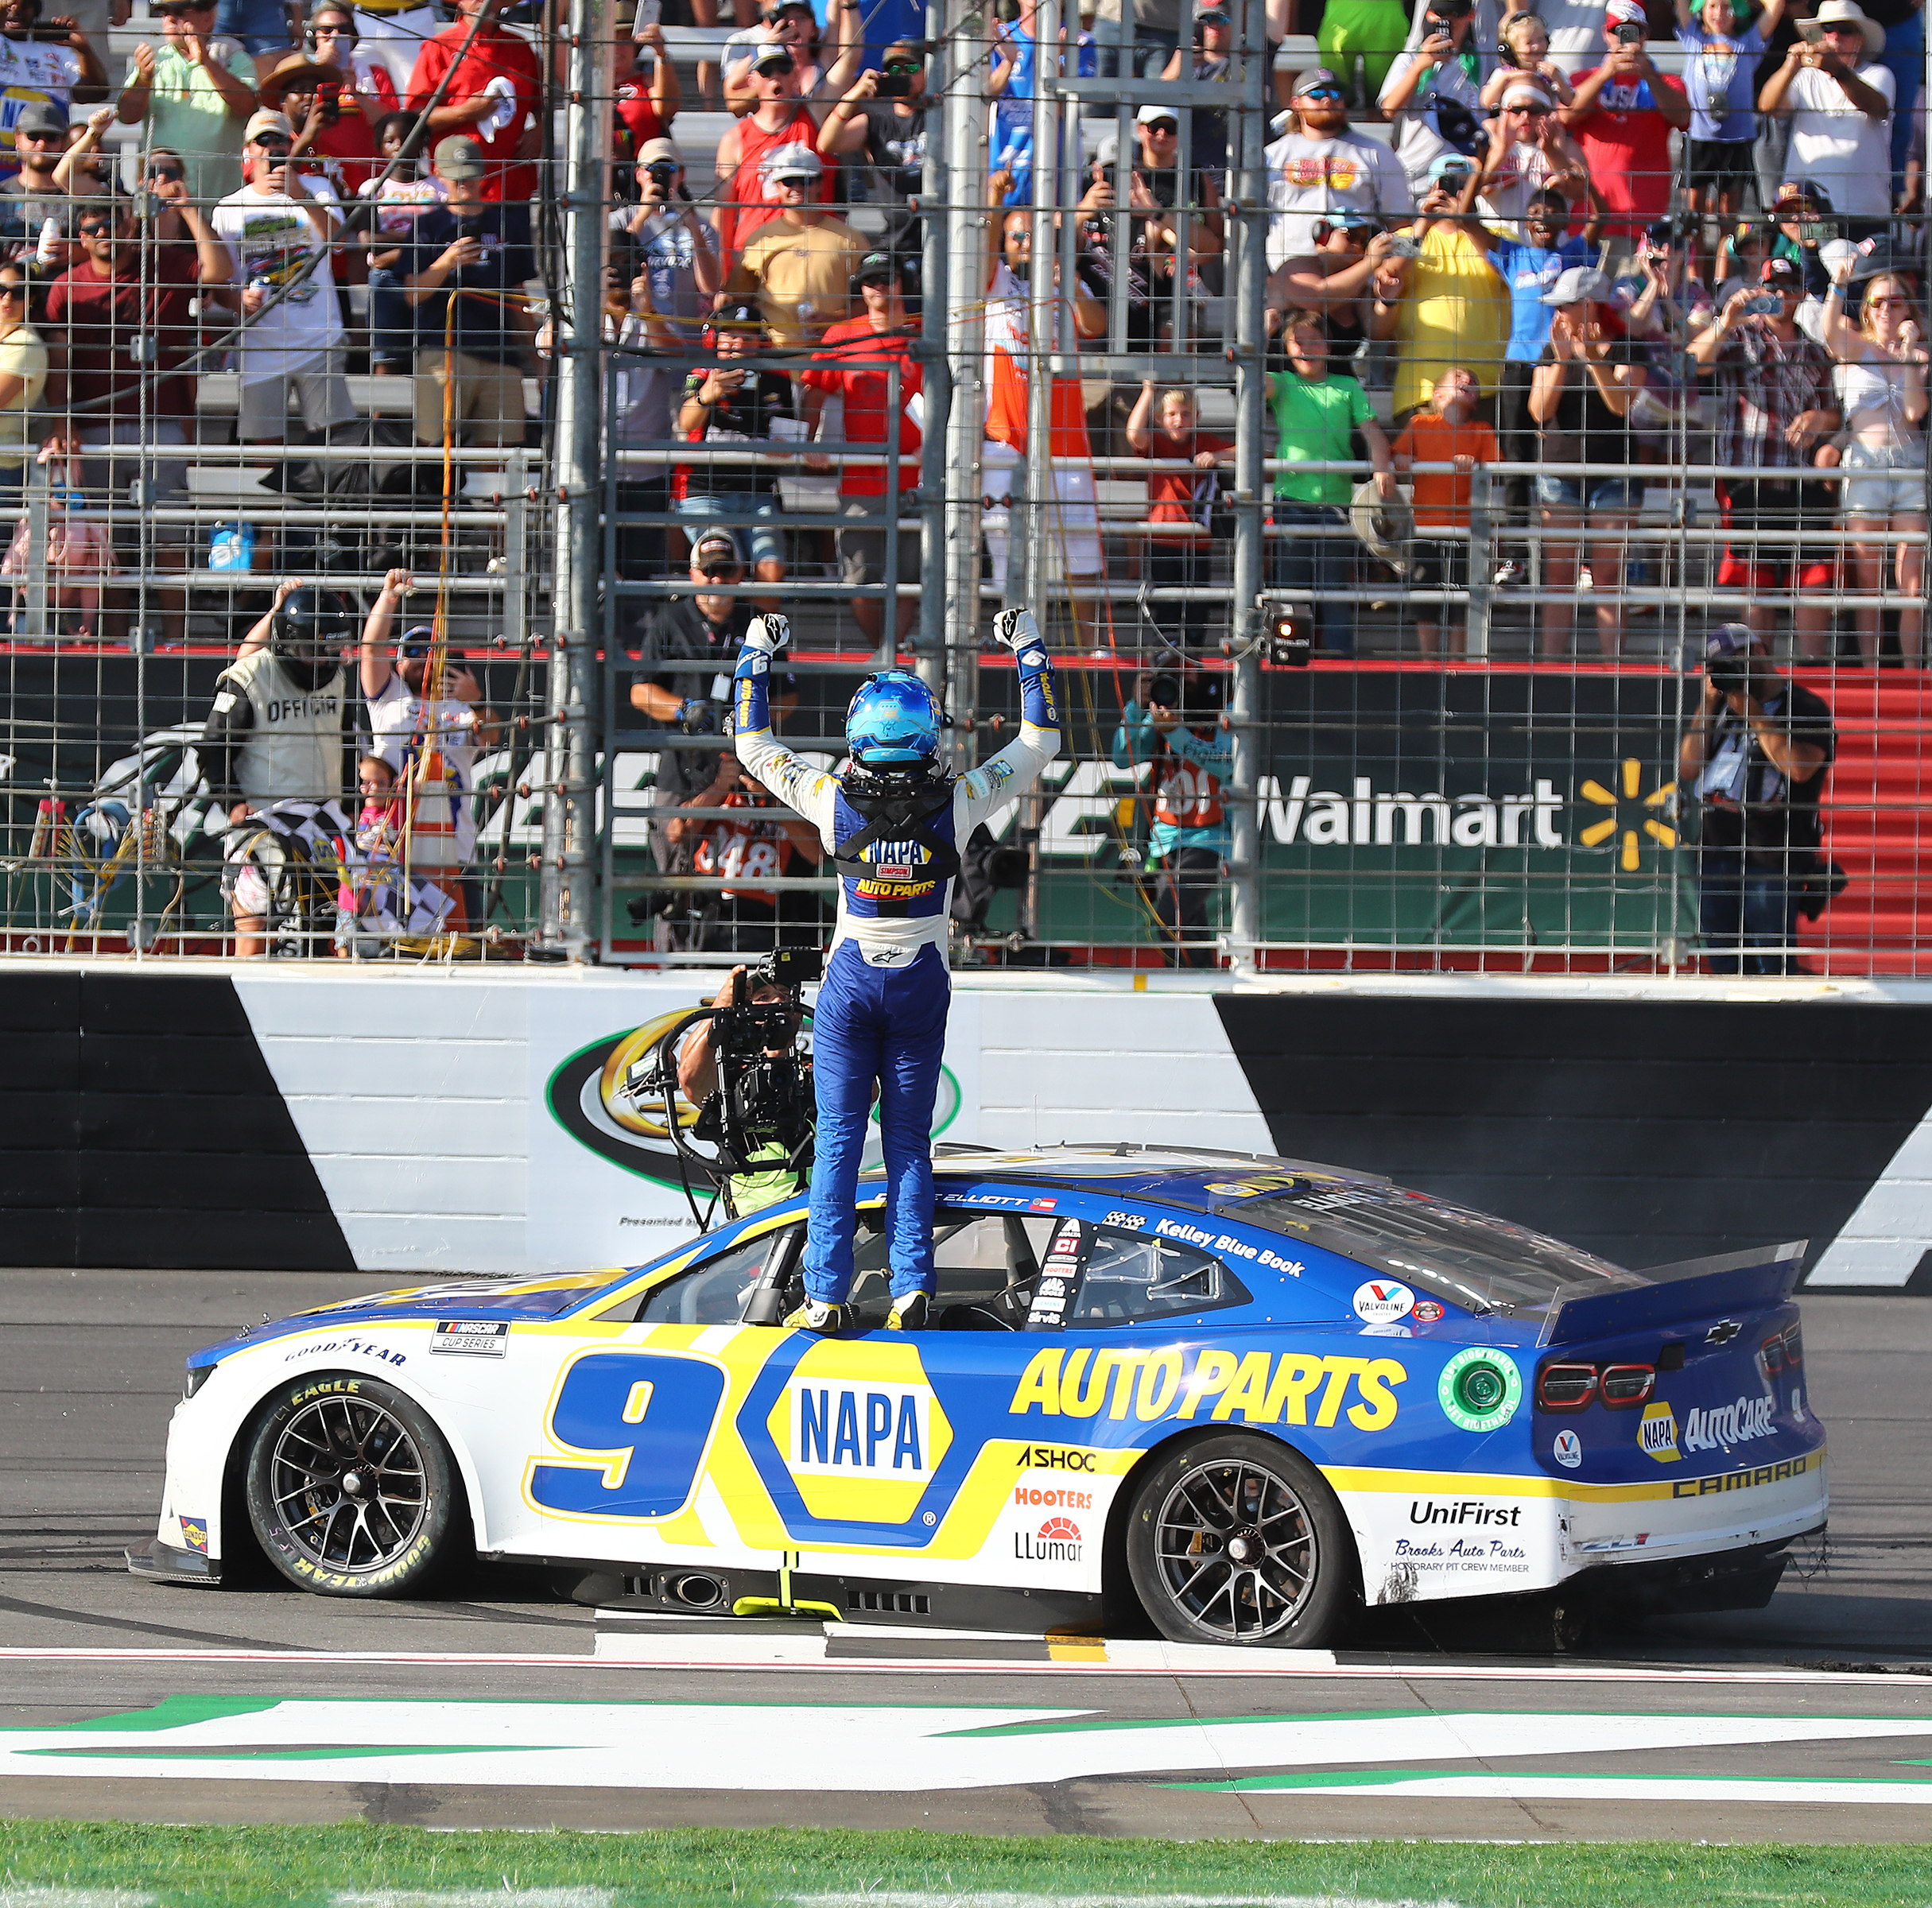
(1237, 1539)
(351, 1490)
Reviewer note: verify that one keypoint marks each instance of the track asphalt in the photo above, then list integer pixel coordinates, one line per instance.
(1809, 1720)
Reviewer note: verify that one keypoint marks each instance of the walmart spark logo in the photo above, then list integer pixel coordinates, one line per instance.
(1629, 815)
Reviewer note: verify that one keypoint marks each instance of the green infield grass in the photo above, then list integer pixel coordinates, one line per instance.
(355, 1865)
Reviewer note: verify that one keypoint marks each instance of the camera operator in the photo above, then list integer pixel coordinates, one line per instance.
(689, 648)
(698, 1081)
(1756, 758)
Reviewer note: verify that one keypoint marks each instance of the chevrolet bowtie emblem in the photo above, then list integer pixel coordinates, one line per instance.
(1722, 1332)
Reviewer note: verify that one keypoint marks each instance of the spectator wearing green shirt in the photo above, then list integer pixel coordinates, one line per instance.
(196, 92)
(1317, 416)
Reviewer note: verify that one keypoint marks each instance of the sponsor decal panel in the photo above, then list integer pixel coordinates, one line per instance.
(1427, 1311)
(1057, 1540)
(1657, 1434)
(329, 1347)
(1211, 1387)
(480, 1337)
(195, 1533)
(1463, 1510)
(1721, 1426)
(1568, 1450)
(1056, 1457)
(1480, 1389)
(1381, 1301)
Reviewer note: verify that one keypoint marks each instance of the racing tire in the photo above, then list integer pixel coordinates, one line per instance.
(351, 1490)
(1237, 1540)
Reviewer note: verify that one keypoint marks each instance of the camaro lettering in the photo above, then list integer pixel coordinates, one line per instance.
(1744, 1480)
(1723, 1425)
(1259, 1388)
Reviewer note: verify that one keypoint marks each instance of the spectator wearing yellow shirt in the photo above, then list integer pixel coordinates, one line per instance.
(798, 266)
(1445, 307)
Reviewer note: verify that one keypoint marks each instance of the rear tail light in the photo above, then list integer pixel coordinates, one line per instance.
(1771, 1351)
(1565, 1387)
(1625, 1386)
(1793, 1344)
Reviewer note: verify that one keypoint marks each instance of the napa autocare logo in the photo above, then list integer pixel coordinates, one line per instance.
(1657, 1434)
(1212, 1386)
(1723, 1425)
(1057, 1540)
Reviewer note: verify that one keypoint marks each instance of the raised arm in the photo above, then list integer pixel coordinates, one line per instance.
(985, 790)
(811, 792)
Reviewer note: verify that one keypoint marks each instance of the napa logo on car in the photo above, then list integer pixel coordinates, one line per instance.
(860, 1431)
(1657, 1434)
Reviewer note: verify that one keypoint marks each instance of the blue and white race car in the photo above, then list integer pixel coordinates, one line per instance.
(1249, 1394)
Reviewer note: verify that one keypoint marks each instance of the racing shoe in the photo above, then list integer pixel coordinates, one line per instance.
(816, 1315)
(912, 1313)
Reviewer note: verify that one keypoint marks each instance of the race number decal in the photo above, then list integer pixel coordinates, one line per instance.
(640, 1421)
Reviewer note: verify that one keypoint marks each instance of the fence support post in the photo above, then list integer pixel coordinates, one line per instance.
(1482, 563)
(1247, 615)
(567, 892)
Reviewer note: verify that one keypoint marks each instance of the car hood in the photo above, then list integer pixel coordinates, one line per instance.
(532, 1298)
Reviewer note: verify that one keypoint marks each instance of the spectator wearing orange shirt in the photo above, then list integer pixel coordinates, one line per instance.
(1183, 497)
(1450, 432)
(493, 89)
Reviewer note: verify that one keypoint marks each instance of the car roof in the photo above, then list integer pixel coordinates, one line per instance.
(1197, 1178)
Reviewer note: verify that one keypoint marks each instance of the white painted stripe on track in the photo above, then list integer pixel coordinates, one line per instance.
(1781, 1790)
(1263, 1662)
(472, 1897)
(24, 1894)
(881, 1898)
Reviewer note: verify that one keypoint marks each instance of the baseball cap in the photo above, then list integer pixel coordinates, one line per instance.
(773, 52)
(1525, 95)
(1781, 271)
(1807, 189)
(875, 264)
(1444, 163)
(1730, 639)
(416, 641)
(1625, 12)
(654, 150)
(1353, 222)
(797, 161)
(744, 316)
(717, 545)
(1577, 283)
(1148, 114)
(1315, 77)
(41, 116)
(265, 120)
(457, 157)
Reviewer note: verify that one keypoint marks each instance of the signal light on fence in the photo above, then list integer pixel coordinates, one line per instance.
(1565, 1387)
(1627, 1387)
(1290, 638)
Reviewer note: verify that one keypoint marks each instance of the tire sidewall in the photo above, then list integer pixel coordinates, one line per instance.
(1336, 1570)
(433, 1548)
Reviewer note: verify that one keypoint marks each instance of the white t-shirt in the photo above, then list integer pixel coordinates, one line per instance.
(444, 825)
(1308, 177)
(1835, 144)
(33, 72)
(269, 236)
(1521, 176)
(1419, 130)
(401, 202)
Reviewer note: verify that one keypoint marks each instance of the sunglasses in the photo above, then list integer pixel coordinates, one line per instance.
(166, 171)
(798, 182)
(1534, 112)
(275, 148)
(337, 32)
(901, 66)
(720, 573)
(12, 287)
(95, 229)
(1879, 304)
(1324, 93)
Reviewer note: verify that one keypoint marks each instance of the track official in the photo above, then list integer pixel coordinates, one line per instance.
(892, 820)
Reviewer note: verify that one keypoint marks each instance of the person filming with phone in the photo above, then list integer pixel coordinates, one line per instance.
(1755, 760)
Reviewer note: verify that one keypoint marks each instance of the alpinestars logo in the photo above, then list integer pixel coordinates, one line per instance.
(1057, 1542)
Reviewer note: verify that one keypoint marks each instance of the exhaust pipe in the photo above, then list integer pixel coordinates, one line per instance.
(696, 1592)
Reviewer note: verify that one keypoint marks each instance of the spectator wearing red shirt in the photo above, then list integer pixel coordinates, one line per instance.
(780, 118)
(1184, 496)
(123, 292)
(856, 364)
(1622, 115)
(645, 106)
(493, 89)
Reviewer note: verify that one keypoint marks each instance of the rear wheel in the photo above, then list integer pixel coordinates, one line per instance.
(351, 1490)
(1238, 1540)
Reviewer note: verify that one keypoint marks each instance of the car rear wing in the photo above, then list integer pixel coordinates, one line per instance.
(1693, 1287)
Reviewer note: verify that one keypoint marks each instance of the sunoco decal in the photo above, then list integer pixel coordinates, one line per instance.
(1259, 1388)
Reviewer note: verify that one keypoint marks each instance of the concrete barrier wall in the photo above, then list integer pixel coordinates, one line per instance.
(432, 1121)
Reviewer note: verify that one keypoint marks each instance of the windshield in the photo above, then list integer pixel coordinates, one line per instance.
(1470, 1258)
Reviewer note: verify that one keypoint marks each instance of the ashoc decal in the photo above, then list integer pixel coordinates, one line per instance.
(1258, 1388)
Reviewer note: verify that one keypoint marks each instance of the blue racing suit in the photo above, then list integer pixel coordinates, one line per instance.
(881, 1014)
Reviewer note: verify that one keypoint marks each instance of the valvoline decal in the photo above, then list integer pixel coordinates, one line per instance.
(1256, 1387)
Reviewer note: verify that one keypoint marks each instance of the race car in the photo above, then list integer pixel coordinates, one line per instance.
(1249, 1394)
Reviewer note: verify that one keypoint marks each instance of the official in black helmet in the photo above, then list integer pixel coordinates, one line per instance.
(275, 731)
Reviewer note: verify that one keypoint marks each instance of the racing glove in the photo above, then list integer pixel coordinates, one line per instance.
(1018, 631)
(769, 633)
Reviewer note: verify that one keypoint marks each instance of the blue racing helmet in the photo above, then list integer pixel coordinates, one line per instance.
(893, 723)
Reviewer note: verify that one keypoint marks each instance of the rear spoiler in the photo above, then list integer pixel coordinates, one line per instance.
(1693, 1287)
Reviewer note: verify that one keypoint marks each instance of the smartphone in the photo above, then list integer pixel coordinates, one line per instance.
(1627, 32)
(648, 14)
(1817, 231)
(1402, 246)
(1763, 306)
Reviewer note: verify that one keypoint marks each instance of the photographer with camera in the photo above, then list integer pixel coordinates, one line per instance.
(1173, 726)
(1755, 759)
(690, 646)
(894, 821)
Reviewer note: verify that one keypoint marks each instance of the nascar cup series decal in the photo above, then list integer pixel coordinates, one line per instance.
(1480, 1389)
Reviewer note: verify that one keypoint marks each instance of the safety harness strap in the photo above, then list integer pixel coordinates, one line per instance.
(898, 818)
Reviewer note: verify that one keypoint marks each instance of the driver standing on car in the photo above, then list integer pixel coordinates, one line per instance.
(275, 732)
(892, 819)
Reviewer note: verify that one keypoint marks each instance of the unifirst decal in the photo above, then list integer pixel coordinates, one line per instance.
(1212, 1387)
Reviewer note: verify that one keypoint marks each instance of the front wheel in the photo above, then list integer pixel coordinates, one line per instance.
(1238, 1540)
(351, 1490)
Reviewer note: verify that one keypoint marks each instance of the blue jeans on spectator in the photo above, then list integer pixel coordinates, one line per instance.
(261, 25)
(759, 515)
(1747, 915)
(392, 323)
(1319, 558)
(1152, 50)
(1905, 54)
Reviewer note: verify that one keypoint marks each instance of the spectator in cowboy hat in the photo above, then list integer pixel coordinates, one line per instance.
(1838, 98)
